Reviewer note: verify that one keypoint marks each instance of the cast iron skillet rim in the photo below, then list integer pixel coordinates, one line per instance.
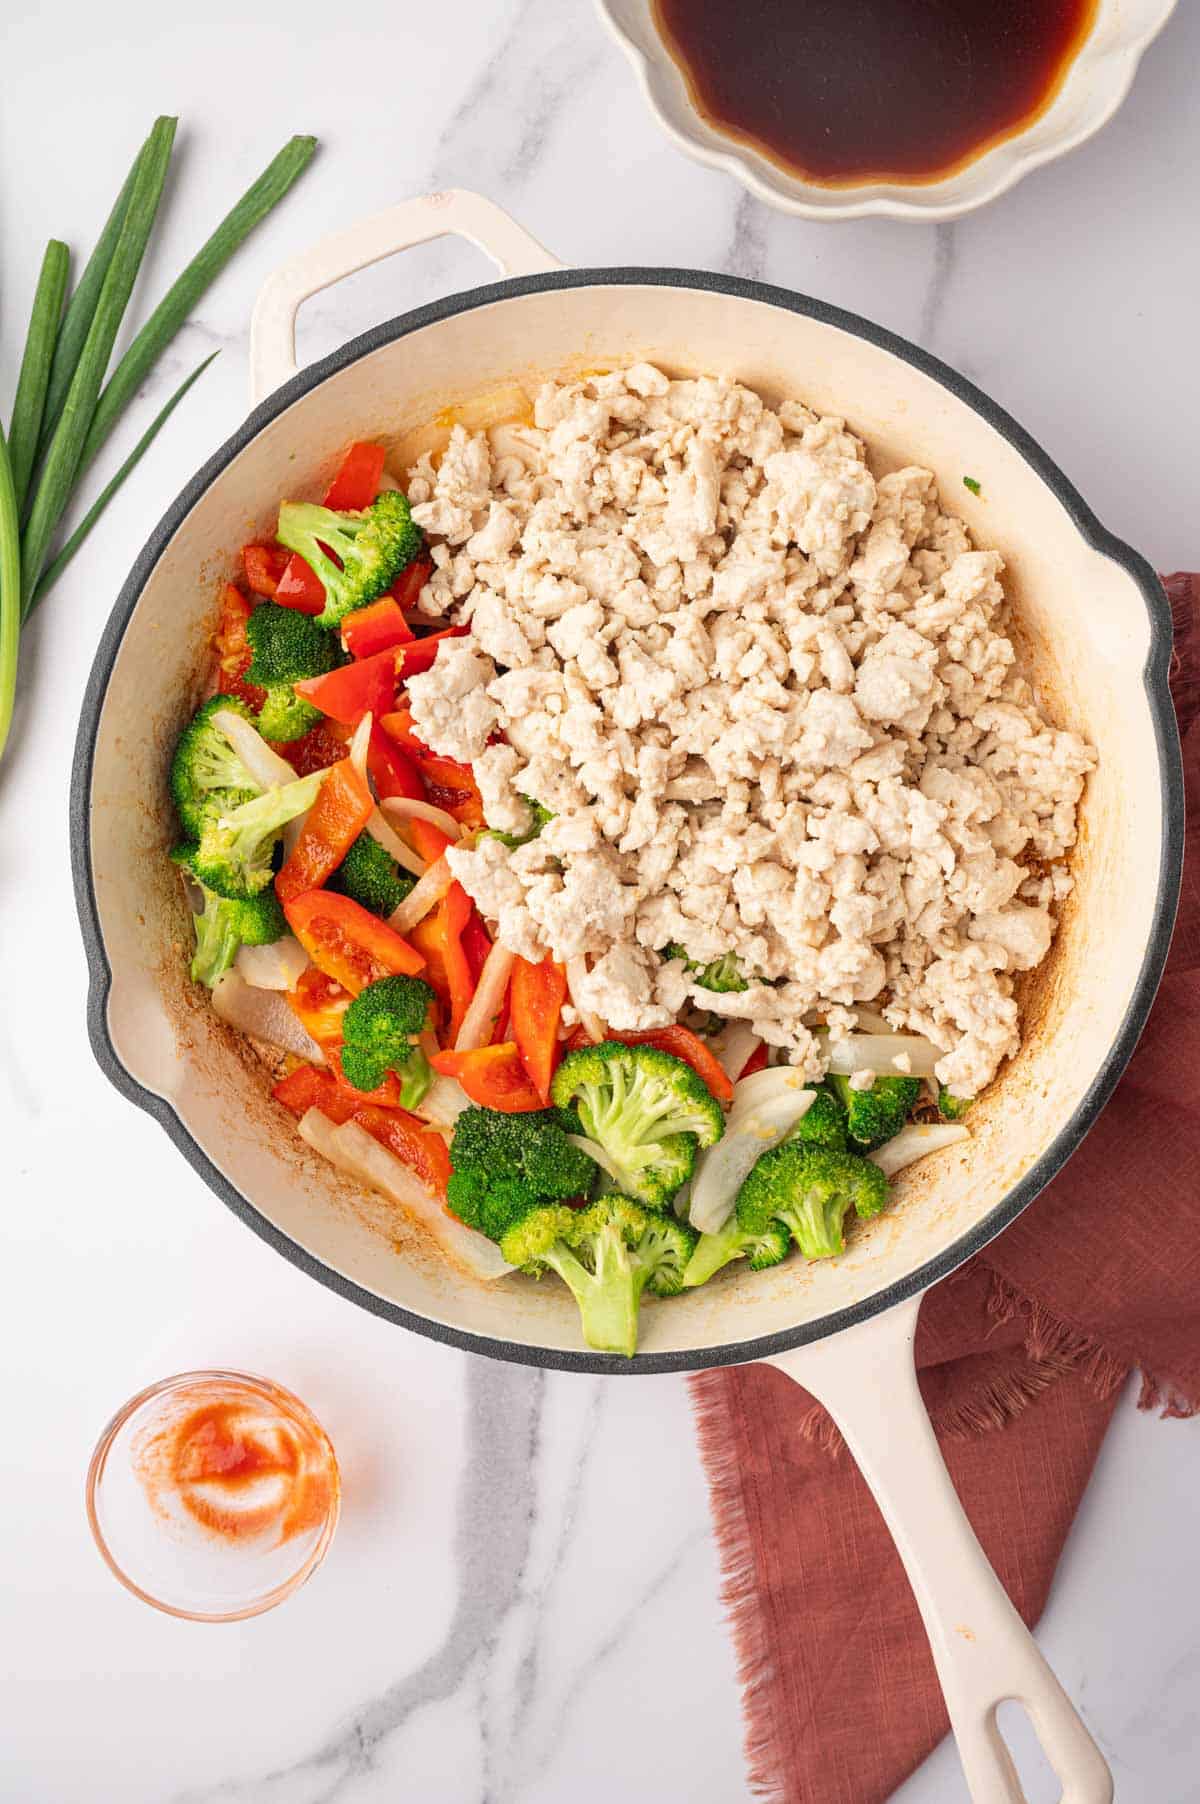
(1171, 857)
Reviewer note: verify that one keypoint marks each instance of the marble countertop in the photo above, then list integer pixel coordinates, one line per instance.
(521, 1603)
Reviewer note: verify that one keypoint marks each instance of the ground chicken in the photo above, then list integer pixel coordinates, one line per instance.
(771, 704)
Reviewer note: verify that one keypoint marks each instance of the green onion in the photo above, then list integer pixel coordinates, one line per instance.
(34, 379)
(51, 575)
(10, 590)
(188, 288)
(61, 465)
(972, 483)
(80, 308)
(64, 410)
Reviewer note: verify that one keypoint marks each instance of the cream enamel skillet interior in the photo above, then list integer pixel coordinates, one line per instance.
(1093, 626)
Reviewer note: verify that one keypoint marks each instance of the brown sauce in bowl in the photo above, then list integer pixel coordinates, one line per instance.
(845, 92)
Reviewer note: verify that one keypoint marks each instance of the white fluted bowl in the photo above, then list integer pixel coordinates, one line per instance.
(1094, 87)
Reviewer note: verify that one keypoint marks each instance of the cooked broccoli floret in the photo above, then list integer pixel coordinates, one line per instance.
(371, 876)
(372, 547)
(952, 1108)
(207, 776)
(285, 716)
(666, 1244)
(723, 974)
(505, 1165)
(379, 1029)
(823, 1123)
(286, 647)
(875, 1115)
(226, 924)
(643, 1114)
(809, 1189)
(235, 853)
(761, 1249)
(513, 840)
(607, 1254)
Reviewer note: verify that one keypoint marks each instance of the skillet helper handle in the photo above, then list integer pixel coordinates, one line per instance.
(866, 1378)
(454, 213)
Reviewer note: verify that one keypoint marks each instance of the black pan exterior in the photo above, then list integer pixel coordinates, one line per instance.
(1170, 778)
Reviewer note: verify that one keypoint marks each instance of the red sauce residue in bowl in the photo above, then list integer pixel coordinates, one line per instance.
(846, 92)
(239, 1470)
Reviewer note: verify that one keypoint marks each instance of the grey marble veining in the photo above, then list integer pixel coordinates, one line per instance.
(521, 1603)
(494, 1525)
(937, 295)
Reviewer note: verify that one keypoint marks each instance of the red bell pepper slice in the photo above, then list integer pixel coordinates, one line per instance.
(465, 805)
(537, 996)
(354, 487)
(300, 587)
(448, 784)
(408, 585)
(384, 1096)
(447, 772)
(756, 1062)
(357, 481)
(321, 746)
(319, 1004)
(367, 687)
(392, 771)
(233, 649)
(375, 628)
(342, 809)
(428, 840)
(439, 937)
(477, 943)
(455, 910)
(413, 1142)
(264, 566)
(492, 1076)
(398, 725)
(683, 1044)
(347, 942)
(307, 1088)
(421, 653)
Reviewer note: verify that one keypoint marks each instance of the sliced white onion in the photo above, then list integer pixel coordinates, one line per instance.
(734, 1047)
(876, 1052)
(871, 1022)
(425, 894)
(593, 1026)
(265, 1015)
(765, 1107)
(407, 808)
(765, 1085)
(356, 751)
(265, 766)
(481, 413)
(913, 1142)
(359, 1154)
(273, 967)
(391, 842)
(485, 1004)
(503, 406)
(443, 1102)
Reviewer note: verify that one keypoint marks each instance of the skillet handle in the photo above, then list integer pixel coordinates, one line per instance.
(866, 1378)
(453, 213)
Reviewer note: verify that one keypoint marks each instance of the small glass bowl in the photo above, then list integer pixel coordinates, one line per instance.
(195, 1543)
